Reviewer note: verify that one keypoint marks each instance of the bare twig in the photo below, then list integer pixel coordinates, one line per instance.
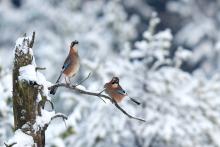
(39, 68)
(102, 99)
(83, 79)
(32, 40)
(64, 117)
(58, 115)
(74, 87)
(102, 91)
(10, 145)
(132, 117)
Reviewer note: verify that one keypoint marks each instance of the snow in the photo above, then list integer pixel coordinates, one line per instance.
(20, 44)
(81, 87)
(141, 45)
(41, 80)
(44, 119)
(166, 35)
(20, 40)
(184, 103)
(183, 54)
(21, 139)
(28, 73)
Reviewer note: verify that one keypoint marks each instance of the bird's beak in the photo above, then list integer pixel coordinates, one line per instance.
(74, 43)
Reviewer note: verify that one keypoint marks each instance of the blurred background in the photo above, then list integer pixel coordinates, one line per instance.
(166, 53)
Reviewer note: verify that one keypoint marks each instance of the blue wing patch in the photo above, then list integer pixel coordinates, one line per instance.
(121, 92)
(66, 63)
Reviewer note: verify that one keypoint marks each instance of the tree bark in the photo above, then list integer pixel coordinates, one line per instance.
(25, 93)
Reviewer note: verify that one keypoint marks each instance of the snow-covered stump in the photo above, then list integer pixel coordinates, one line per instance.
(25, 92)
(30, 92)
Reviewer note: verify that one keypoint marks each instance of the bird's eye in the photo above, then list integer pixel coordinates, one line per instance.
(114, 82)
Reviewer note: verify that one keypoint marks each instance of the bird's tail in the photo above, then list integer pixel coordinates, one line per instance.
(53, 90)
(135, 101)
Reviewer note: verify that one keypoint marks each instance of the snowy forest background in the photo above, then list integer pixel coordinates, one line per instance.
(166, 53)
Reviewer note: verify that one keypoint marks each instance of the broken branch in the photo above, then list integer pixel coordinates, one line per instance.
(32, 40)
(58, 115)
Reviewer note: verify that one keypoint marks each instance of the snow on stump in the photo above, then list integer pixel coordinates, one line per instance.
(30, 93)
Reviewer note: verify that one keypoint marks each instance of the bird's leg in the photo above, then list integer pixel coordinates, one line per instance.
(66, 81)
(69, 80)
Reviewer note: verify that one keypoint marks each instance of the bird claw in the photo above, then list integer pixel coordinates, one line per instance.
(113, 101)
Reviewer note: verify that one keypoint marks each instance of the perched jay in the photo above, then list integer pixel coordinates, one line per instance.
(114, 90)
(70, 66)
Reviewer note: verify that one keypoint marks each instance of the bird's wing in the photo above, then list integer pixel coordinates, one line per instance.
(121, 91)
(66, 63)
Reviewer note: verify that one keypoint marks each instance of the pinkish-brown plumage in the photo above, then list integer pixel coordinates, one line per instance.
(70, 66)
(114, 90)
(73, 63)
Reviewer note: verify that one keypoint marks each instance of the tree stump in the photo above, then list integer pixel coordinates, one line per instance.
(25, 93)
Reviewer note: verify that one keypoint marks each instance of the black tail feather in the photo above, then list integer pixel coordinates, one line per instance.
(135, 101)
(53, 90)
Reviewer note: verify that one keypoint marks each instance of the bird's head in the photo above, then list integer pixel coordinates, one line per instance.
(115, 80)
(114, 83)
(73, 46)
(73, 43)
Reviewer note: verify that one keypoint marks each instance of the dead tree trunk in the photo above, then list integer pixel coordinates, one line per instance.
(25, 93)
